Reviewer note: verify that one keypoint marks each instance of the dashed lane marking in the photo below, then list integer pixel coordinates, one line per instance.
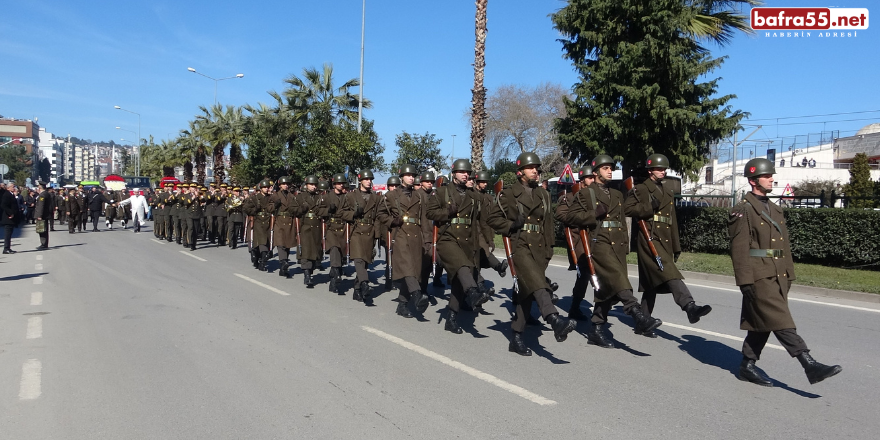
(265, 286)
(486, 377)
(158, 241)
(38, 266)
(39, 257)
(31, 374)
(35, 327)
(37, 298)
(188, 254)
(38, 280)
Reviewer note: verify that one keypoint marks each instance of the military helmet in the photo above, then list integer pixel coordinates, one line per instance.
(285, 179)
(339, 178)
(407, 169)
(462, 165)
(417, 180)
(365, 174)
(758, 167)
(603, 159)
(312, 180)
(482, 176)
(527, 159)
(586, 171)
(394, 180)
(657, 160)
(265, 183)
(428, 176)
(323, 185)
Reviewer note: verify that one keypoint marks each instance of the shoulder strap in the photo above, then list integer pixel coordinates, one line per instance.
(767, 217)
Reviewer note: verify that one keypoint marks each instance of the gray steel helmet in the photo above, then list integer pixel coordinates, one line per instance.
(527, 159)
(407, 169)
(462, 165)
(586, 171)
(428, 175)
(323, 185)
(365, 174)
(603, 159)
(312, 180)
(284, 179)
(417, 180)
(265, 183)
(758, 167)
(339, 178)
(657, 161)
(394, 180)
(482, 176)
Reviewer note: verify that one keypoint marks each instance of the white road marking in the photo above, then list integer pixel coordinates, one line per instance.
(37, 298)
(38, 280)
(38, 266)
(188, 254)
(265, 286)
(486, 377)
(714, 288)
(35, 327)
(716, 334)
(157, 241)
(39, 257)
(31, 374)
(865, 309)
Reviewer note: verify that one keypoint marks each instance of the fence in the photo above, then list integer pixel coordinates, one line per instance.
(808, 201)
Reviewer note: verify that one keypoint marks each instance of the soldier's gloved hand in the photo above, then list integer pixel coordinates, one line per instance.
(452, 210)
(517, 224)
(655, 204)
(359, 212)
(675, 257)
(748, 290)
(397, 222)
(601, 211)
(332, 208)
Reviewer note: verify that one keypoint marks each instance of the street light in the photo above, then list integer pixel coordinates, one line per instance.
(216, 80)
(137, 163)
(138, 155)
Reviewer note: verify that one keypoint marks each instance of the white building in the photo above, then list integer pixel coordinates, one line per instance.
(53, 149)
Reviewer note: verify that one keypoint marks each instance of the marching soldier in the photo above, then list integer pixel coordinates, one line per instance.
(83, 208)
(183, 214)
(235, 215)
(310, 229)
(487, 235)
(42, 213)
(158, 208)
(72, 211)
(220, 215)
(579, 291)
(361, 209)
(599, 208)
(257, 206)
(426, 187)
(110, 210)
(405, 213)
(654, 203)
(457, 209)
(763, 268)
(204, 220)
(523, 213)
(331, 209)
(382, 229)
(195, 204)
(245, 193)
(284, 206)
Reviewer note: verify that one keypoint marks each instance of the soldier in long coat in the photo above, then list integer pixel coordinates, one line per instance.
(523, 213)
(110, 209)
(310, 229)
(220, 215)
(72, 211)
(457, 211)
(361, 209)
(426, 187)
(158, 213)
(488, 260)
(405, 213)
(257, 207)
(42, 212)
(563, 204)
(195, 205)
(331, 211)
(382, 229)
(599, 208)
(235, 217)
(654, 203)
(285, 207)
(764, 271)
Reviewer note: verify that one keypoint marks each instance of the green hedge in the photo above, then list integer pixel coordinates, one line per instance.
(830, 237)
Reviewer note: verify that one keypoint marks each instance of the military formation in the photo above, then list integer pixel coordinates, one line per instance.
(426, 226)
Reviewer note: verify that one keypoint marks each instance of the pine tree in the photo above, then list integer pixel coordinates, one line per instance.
(860, 185)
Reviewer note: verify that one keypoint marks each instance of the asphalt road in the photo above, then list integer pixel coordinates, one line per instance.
(114, 335)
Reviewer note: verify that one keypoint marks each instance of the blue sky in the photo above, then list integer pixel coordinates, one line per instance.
(70, 62)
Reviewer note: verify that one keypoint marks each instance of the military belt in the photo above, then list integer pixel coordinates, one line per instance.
(310, 215)
(766, 253)
(365, 222)
(610, 224)
(263, 214)
(283, 214)
(410, 220)
(529, 227)
(662, 219)
(337, 220)
(460, 221)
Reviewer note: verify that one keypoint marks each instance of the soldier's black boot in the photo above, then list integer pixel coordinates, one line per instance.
(334, 272)
(474, 298)
(597, 337)
(817, 372)
(308, 279)
(644, 324)
(365, 290)
(488, 291)
(403, 310)
(420, 300)
(561, 326)
(452, 323)
(255, 258)
(748, 372)
(696, 312)
(438, 281)
(518, 346)
(574, 311)
(502, 268)
(357, 293)
(264, 259)
(282, 272)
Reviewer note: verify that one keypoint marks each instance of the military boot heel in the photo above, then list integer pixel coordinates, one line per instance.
(403, 310)
(518, 346)
(644, 323)
(817, 372)
(561, 326)
(282, 272)
(597, 337)
(695, 312)
(452, 323)
(748, 372)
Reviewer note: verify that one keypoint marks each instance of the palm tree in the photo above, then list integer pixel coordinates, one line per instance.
(214, 131)
(193, 146)
(478, 101)
(719, 20)
(315, 95)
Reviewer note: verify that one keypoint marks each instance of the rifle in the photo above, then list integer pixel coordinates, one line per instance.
(569, 239)
(271, 233)
(508, 250)
(388, 258)
(298, 239)
(250, 226)
(435, 233)
(347, 243)
(323, 235)
(585, 239)
(644, 228)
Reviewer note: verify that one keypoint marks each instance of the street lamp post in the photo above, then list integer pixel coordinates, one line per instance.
(216, 80)
(361, 86)
(138, 171)
(137, 164)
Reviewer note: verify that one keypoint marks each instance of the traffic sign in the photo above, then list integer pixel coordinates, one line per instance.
(3, 168)
(787, 192)
(567, 176)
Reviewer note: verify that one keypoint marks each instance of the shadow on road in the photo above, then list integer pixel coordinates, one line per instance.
(23, 276)
(530, 337)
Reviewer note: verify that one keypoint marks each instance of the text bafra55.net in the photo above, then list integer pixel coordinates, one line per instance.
(797, 19)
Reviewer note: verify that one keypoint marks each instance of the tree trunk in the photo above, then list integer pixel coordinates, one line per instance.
(219, 166)
(200, 166)
(187, 171)
(478, 111)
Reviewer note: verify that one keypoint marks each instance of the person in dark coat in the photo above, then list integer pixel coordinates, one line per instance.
(257, 207)
(308, 211)
(579, 291)
(42, 213)
(96, 205)
(654, 203)
(285, 207)
(331, 209)
(361, 209)
(54, 200)
(8, 217)
(764, 270)
(72, 211)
